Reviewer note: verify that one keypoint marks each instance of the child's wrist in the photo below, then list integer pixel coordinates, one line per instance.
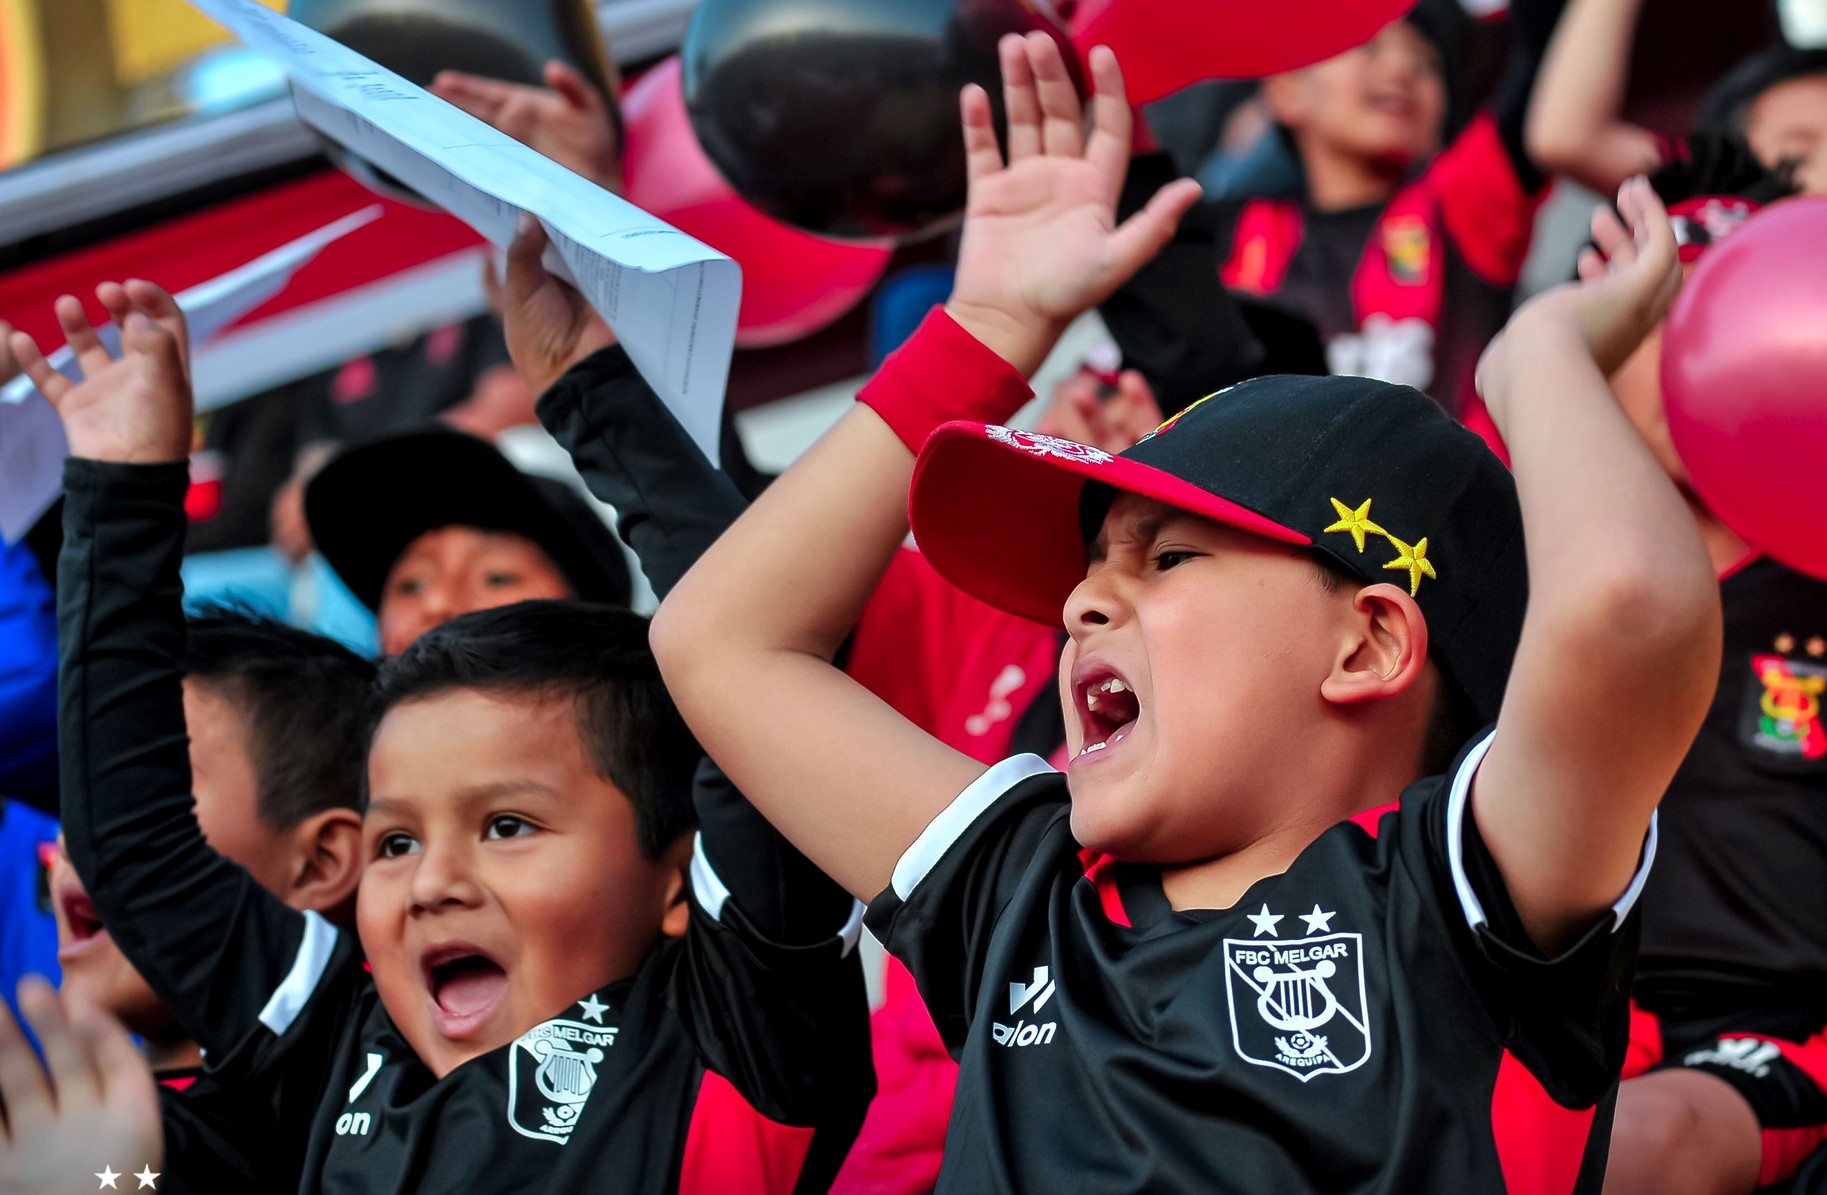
(1023, 344)
(943, 373)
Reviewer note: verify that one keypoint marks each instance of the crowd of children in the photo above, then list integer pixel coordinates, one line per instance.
(1335, 751)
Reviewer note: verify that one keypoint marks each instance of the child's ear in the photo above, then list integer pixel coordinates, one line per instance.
(327, 862)
(676, 908)
(1384, 651)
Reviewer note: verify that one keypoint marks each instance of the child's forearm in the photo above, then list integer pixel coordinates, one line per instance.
(207, 938)
(1620, 645)
(1574, 127)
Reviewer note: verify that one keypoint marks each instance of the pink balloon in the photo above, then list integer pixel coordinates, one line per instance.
(1165, 45)
(1744, 382)
(793, 283)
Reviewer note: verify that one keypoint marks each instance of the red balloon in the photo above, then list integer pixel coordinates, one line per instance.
(793, 283)
(1165, 45)
(1744, 382)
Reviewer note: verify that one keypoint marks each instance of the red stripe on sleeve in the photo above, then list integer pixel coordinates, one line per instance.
(731, 1149)
(1540, 1144)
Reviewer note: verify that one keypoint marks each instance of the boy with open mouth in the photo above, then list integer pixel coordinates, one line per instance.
(1244, 943)
(557, 985)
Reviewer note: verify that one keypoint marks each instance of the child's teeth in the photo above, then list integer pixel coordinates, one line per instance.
(1094, 747)
(1113, 685)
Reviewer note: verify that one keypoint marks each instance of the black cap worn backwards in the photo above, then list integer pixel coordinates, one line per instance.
(1376, 477)
(372, 500)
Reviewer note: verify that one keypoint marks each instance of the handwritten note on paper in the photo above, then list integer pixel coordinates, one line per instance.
(671, 299)
(32, 448)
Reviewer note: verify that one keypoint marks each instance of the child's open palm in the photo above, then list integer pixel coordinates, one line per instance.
(1041, 243)
(132, 409)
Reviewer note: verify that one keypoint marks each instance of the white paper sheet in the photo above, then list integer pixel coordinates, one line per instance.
(32, 448)
(671, 299)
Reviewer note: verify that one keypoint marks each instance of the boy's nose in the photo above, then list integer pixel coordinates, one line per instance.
(442, 879)
(1095, 602)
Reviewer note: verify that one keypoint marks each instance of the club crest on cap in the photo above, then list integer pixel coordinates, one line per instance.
(1044, 445)
(1356, 522)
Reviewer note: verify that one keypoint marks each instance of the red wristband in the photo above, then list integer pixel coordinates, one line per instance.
(942, 374)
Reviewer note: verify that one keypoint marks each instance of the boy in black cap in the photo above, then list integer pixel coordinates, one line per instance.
(1243, 946)
(426, 526)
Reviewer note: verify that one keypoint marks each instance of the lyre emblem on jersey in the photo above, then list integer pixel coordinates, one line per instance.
(1783, 710)
(551, 1072)
(1298, 1005)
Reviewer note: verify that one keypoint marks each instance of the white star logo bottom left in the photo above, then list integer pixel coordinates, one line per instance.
(593, 1008)
(147, 1178)
(107, 1176)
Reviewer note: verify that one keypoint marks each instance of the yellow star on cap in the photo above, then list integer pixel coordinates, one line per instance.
(1356, 522)
(1414, 559)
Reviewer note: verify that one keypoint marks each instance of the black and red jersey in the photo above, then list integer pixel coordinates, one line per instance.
(1733, 919)
(1409, 291)
(1371, 1020)
(732, 1060)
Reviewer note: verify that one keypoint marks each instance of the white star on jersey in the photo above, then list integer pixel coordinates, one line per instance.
(1265, 922)
(148, 1178)
(108, 1175)
(593, 1008)
(1318, 922)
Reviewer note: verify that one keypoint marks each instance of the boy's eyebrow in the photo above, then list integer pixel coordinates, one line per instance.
(492, 790)
(1141, 531)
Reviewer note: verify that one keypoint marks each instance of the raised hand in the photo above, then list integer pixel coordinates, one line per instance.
(91, 1106)
(1625, 289)
(567, 120)
(1041, 243)
(133, 409)
(549, 326)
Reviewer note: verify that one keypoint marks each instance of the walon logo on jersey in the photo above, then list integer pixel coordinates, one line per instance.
(1298, 1005)
(1027, 998)
(551, 1071)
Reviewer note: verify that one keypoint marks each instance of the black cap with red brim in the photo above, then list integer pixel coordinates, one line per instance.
(1376, 477)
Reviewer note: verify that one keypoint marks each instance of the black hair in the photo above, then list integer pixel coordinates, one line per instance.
(1725, 109)
(1452, 720)
(1711, 164)
(302, 698)
(597, 657)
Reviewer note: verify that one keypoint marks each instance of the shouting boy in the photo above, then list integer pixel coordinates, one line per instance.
(540, 998)
(1242, 944)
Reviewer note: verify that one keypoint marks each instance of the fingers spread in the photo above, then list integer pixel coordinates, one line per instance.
(1136, 241)
(79, 334)
(1062, 116)
(1019, 99)
(982, 158)
(1112, 121)
(33, 364)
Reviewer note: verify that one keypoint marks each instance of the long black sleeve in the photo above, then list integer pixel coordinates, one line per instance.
(671, 504)
(228, 959)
